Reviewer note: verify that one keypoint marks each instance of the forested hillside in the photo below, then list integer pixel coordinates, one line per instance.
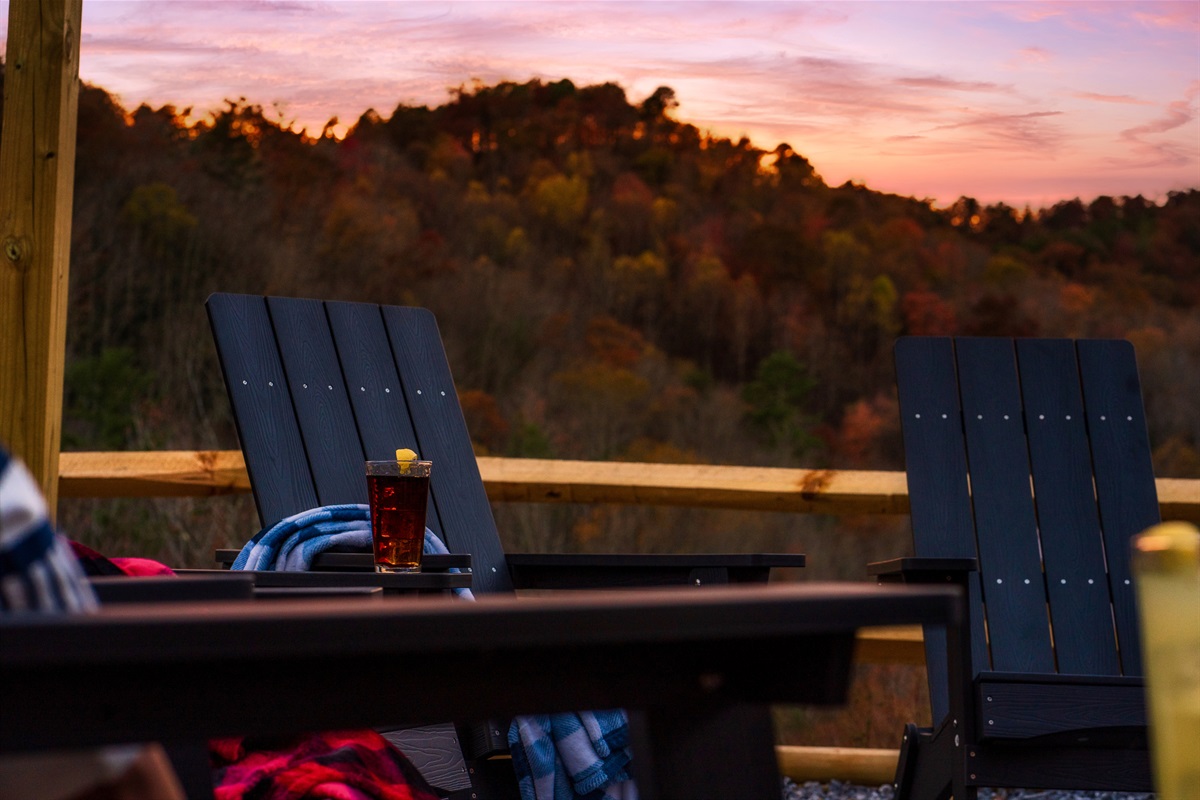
(611, 283)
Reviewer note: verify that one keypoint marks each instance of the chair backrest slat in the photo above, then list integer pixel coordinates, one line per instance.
(376, 393)
(1123, 470)
(458, 490)
(1068, 519)
(939, 491)
(1010, 564)
(266, 422)
(940, 500)
(318, 390)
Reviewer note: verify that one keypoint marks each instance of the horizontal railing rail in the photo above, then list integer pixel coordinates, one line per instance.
(197, 473)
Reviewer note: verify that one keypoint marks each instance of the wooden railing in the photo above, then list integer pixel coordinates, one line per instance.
(836, 492)
(196, 473)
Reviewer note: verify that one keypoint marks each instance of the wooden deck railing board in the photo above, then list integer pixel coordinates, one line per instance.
(697, 485)
(1179, 498)
(193, 473)
(895, 645)
(153, 473)
(858, 765)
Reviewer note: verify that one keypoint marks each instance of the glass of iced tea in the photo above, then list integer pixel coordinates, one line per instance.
(398, 492)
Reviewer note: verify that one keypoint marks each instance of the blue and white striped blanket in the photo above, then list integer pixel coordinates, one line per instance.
(291, 544)
(38, 571)
(557, 756)
(572, 755)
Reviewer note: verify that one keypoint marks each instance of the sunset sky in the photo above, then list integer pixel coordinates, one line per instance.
(1023, 102)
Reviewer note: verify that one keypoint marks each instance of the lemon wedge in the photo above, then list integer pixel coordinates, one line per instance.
(1169, 547)
(406, 457)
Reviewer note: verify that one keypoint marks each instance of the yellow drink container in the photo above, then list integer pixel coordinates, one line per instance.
(1166, 562)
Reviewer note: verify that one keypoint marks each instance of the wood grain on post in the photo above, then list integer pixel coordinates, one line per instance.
(37, 169)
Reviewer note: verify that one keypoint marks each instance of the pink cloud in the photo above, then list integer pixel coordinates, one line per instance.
(1037, 55)
(1028, 131)
(1182, 17)
(1144, 140)
(1034, 12)
(939, 82)
(1162, 152)
(1123, 99)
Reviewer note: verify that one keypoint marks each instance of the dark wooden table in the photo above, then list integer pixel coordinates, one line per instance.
(335, 573)
(690, 663)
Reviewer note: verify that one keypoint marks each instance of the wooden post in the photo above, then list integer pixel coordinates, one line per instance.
(37, 171)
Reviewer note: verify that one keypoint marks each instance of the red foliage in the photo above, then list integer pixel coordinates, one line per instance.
(629, 189)
(864, 424)
(927, 314)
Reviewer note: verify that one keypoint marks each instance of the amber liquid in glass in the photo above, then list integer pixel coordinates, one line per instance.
(398, 520)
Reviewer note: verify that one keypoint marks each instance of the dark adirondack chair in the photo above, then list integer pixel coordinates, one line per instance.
(317, 387)
(1028, 472)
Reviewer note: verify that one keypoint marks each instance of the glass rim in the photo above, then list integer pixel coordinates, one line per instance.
(400, 469)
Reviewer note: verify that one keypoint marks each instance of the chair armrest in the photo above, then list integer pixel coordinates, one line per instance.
(336, 560)
(179, 589)
(600, 571)
(922, 570)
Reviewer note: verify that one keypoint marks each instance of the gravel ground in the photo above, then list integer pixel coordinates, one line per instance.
(836, 790)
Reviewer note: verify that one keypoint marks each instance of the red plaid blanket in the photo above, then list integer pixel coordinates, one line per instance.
(338, 765)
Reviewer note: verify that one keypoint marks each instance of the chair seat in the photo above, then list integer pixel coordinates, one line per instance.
(1088, 710)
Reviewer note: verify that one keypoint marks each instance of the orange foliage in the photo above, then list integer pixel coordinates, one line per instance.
(554, 328)
(629, 189)
(613, 343)
(1148, 341)
(1076, 298)
(487, 424)
(650, 451)
(1176, 458)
